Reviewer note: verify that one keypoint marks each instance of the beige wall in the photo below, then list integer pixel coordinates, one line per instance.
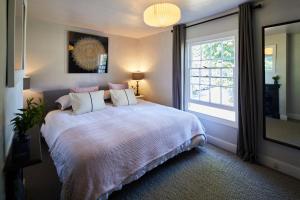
(2, 89)
(293, 76)
(274, 155)
(156, 59)
(155, 55)
(47, 58)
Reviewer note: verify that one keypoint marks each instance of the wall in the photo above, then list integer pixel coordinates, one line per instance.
(219, 134)
(155, 54)
(280, 40)
(47, 58)
(274, 155)
(156, 60)
(293, 84)
(2, 89)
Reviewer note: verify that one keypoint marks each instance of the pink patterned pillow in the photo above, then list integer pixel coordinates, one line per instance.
(84, 89)
(114, 86)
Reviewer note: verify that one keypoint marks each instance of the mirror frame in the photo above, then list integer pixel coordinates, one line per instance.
(263, 83)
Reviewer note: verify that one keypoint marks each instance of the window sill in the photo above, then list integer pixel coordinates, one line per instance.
(214, 114)
(215, 119)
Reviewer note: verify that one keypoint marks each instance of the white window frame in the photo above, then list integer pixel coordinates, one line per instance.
(211, 38)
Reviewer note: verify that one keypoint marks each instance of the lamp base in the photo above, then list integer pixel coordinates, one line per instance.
(137, 88)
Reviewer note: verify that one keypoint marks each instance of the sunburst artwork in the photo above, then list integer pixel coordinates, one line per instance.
(87, 53)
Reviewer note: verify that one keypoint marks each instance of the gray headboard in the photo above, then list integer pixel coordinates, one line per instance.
(51, 96)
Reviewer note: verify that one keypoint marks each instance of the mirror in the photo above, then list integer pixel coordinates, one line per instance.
(281, 63)
(15, 38)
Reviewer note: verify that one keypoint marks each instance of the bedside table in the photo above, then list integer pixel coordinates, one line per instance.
(14, 181)
(140, 96)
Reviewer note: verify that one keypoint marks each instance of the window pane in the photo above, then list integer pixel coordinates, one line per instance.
(228, 49)
(227, 72)
(215, 93)
(196, 52)
(268, 63)
(204, 81)
(195, 72)
(216, 50)
(216, 72)
(216, 81)
(204, 93)
(227, 82)
(196, 64)
(205, 50)
(227, 96)
(195, 92)
(216, 63)
(195, 80)
(204, 72)
(205, 64)
(228, 64)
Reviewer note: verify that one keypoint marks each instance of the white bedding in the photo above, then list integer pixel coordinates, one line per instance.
(95, 153)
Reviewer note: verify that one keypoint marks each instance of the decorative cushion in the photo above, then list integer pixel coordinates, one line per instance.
(87, 102)
(84, 89)
(123, 97)
(118, 86)
(64, 102)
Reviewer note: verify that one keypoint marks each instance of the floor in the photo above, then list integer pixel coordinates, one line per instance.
(287, 131)
(208, 173)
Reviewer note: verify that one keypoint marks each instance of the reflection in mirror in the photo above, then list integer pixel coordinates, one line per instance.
(282, 83)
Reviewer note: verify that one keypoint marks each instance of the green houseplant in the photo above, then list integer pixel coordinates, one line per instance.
(276, 79)
(28, 117)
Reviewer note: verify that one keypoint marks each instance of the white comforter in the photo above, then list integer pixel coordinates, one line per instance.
(95, 152)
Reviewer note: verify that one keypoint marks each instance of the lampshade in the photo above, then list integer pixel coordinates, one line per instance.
(138, 76)
(162, 15)
(26, 82)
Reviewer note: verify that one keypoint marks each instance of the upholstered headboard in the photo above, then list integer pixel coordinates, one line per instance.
(51, 96)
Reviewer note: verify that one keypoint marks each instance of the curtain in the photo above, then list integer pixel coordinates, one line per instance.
(179, 37)
(248, 108)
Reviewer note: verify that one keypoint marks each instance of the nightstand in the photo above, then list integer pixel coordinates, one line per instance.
(13, 169)
(140, 96)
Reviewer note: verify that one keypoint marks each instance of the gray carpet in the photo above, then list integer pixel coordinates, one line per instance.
(208, 173)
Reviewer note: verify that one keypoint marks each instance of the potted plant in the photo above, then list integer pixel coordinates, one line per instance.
(28, 117)
(276, 79)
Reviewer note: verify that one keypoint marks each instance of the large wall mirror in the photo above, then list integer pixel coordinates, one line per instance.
(281, 63)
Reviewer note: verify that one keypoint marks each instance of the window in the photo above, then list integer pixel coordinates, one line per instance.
(270, 58)
(211, 76)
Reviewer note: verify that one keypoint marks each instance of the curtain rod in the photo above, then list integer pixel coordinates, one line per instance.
(259, 5)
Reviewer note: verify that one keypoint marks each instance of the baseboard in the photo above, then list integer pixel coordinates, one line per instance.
(221, 143)
(281, 166)
(283, 117)
(293, 116)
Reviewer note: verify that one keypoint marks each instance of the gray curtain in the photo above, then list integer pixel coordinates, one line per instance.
(248, 108)
(179, 37)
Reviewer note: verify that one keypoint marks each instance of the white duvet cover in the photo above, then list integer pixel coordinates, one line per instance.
(95, 153)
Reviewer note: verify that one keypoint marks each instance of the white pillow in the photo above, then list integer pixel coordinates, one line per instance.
(87, 102)
(123, 97)
(64, 102)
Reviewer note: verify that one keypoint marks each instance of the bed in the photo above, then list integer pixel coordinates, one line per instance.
(97, 153)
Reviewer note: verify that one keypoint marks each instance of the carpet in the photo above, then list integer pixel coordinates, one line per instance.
(206, 173)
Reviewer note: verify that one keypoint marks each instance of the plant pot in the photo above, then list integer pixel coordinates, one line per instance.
(21, 148)
(275, 82)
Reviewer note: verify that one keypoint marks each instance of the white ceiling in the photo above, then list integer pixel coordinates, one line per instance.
(119, 17)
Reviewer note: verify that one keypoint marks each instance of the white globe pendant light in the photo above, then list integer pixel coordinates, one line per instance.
(162, 15)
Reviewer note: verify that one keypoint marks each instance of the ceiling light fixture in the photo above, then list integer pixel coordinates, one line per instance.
(162, 15)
